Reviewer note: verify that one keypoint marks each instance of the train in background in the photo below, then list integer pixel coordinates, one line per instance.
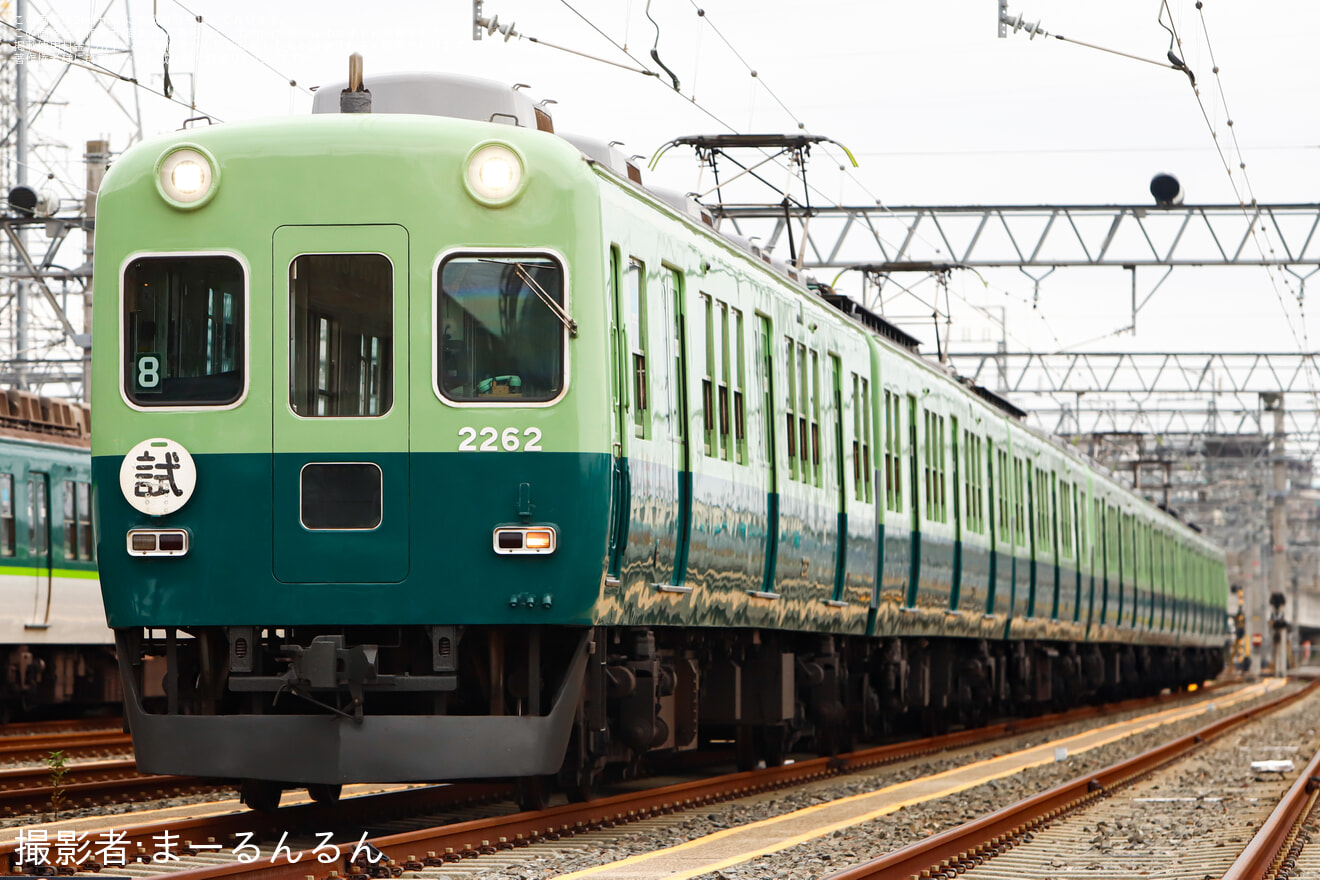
(431, 444)
(58, 651)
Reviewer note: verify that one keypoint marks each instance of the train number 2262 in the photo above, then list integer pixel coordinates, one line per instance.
(493, 440)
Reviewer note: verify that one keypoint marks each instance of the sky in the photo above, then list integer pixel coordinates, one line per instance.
(936, 107)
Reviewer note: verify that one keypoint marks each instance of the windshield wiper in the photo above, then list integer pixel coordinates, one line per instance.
(550, 303)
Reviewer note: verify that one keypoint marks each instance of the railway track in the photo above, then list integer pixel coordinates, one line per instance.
(74, 745)
(1280, 849)
(491, 834)
(67, 725)
(34, 789)
(1073, 822)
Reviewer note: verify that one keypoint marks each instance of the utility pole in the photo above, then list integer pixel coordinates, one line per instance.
(22, 317)
(96, 157)
(1279, 537)
(42, 345)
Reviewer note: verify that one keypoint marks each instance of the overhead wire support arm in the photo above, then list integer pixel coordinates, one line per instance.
(1033, 30)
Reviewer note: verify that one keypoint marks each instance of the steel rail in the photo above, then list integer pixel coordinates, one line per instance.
(958, 849)
(66, 725)
(30, 789)
(37, 748)
(117, 789)
(1275, 845)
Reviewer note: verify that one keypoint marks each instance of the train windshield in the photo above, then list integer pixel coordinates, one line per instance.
(184, 331)
(501, 324)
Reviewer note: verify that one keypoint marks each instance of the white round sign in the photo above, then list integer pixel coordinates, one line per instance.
(157, 476)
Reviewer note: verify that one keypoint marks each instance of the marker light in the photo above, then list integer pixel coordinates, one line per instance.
(494, 174)
(187, 177)
(157, 542)
(524, 540)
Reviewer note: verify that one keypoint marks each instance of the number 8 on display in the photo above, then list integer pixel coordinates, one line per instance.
(147, 376)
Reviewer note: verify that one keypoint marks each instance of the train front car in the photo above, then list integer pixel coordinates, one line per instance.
(339, 378)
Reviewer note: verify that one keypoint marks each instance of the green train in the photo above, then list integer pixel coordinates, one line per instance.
(430, 444)
(59, 655)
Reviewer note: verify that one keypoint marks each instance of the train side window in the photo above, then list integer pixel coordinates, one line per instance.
(867, 480)
(726, 380)
(739, 391)
(765, 363)
(804, 420)
(857, 438)
(70, 521)
(1043, 511)
(708, 379)
(1112, 551)
(893, 452)
(1019, 503)
(673, 291)
(973, 483)
(636, 327)
(6, 514)
(1083, 525)
(38, 517)
(86, 546)
(1065, 520)
(815, 416)
(1002, 489)
(501, 328)
(792, 407)
(184, 331)
(935, 476)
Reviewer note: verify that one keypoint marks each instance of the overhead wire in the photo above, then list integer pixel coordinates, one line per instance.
(293, 83)
(1303, 340)
(826, 147)
(68, 57)
(701, 13)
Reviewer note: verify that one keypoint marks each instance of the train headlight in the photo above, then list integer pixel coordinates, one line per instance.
(494, 174)
(525, 540)
(187, 176)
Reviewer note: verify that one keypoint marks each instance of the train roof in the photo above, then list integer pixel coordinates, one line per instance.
(27, 416)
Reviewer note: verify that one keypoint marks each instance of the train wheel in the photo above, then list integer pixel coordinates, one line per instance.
(580, 793)
(261, 795)
(533, 793)
(761, 746)
(324, 792)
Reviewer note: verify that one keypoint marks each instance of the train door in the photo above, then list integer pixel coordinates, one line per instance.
(341, 400)
(681, 440)
(991, 486)
(621, 496)
(914, 475)
(765, 360)
(1032, 525)
(840, 476)
(39, 547)
(957, 490)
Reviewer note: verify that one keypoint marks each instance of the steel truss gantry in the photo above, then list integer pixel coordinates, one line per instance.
(1141, 373)
(1154, 392)
(885, 239)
